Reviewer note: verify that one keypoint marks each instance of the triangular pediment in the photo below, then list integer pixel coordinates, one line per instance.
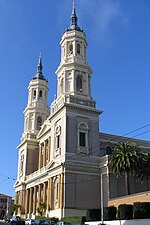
(44, 129)
(52, 165)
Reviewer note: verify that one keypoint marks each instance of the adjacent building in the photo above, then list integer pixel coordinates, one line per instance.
(62, 153)
(6, 204)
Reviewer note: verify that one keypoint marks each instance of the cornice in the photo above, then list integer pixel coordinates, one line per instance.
(67, 65)
(82, 164)
(85, 108)
(27, 141)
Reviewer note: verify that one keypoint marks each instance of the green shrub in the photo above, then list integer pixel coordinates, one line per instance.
(93, 215)
(141, 210)
(74, 220)
(125, 212)
(110, 213)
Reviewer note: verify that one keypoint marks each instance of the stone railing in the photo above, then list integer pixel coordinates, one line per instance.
(58, 103)
(36, 173)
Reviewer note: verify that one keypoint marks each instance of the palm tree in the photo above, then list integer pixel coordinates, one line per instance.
(124, 161)
(143, 172)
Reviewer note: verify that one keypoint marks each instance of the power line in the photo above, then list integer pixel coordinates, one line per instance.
(137, 129)
(122, 136)
(81, 156)
(142, 133)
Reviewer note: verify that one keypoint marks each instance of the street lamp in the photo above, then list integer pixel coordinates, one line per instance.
(102, 198)
(102, 201)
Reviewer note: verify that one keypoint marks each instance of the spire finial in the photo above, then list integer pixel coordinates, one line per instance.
(73, 6)
(39, 73)
(74, 19)
(40, 67)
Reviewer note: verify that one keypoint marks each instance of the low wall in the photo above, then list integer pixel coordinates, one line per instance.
(130, 199)
(122, 222)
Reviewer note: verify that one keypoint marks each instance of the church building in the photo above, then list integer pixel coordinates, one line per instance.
(62, 153)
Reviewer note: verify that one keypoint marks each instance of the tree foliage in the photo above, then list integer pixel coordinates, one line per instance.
(124, 161)
(41, 209)
(143, 171)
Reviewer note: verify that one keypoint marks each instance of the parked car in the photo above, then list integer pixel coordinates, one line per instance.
(17, 220)
(38, 221)
(48, 222)
(29, 221)
(63, 223)
(7, 220)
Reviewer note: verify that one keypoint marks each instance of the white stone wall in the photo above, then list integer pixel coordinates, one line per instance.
(122, 222)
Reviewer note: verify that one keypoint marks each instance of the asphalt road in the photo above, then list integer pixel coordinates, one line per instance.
(1, 223)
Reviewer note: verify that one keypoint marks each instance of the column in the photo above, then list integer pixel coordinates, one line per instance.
(59, 186)
(49, 148)
(50, 194)
(34, 199)
(73, 80)
(44, 154)
(27, 202)
(44, 192)
(16, 201)
(16, 198)
(23, 201)
(39, 194)
(40, 155)
(61, 190)
(31, 201)
(19, 201)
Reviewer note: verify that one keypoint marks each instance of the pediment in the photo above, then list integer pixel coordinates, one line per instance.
(51, 165)
(44, 129)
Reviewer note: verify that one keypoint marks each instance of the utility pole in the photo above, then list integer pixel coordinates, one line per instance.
(102, 201)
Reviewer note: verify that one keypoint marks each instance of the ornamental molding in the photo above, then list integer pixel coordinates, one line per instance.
(46, 127)
(83, 164)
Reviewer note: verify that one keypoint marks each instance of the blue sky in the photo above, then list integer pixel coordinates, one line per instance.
(118, 34)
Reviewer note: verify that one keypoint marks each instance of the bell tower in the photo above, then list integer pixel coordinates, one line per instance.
(79, 119)
(35, 113)
(37, 109)
(74, 73)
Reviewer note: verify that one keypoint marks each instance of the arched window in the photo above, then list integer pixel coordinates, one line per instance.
(39, 122)
(79, 84)
(40, 94)
(34, 94)
(82, 136)
(78, 48)
(57, 141)
(108, 150)
(70, 48)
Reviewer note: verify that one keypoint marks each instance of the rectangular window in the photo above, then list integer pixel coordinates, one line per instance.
(82, 139)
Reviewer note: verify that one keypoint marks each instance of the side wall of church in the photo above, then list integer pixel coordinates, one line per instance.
(117, 186)
(82, 191)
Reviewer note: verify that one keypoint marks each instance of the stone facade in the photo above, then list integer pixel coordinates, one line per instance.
(62, 153)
